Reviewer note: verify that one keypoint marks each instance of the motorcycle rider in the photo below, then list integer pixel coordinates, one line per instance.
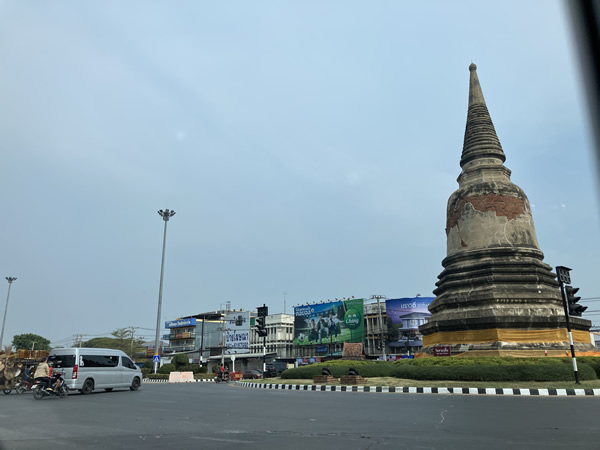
(26, 376)
(42, 373)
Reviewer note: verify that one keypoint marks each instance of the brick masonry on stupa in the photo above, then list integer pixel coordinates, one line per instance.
(495, 291)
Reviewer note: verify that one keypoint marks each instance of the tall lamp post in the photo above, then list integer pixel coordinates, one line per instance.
(166, 215)
(10, 280)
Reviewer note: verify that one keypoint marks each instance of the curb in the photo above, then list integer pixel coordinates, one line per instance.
(427, 390)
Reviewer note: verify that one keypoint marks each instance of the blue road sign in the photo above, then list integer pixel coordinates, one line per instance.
(156, 358)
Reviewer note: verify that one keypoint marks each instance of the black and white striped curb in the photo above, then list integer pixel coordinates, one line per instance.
(426, 390)
(148, 380)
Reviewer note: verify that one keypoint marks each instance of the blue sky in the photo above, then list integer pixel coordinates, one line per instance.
(308, 147)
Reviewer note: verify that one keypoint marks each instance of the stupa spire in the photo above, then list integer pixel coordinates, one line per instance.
(482, 154)
(475, 93)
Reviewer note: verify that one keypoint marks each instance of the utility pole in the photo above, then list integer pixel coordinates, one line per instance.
(224, 330)
(166, 215)
(10, 280)
(381, 337)
(132, 333)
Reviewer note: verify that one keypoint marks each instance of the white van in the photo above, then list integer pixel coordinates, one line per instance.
(86, 369)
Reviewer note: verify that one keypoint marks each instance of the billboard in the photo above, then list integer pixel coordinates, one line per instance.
(237, 332)
(181, 323)
(329, 323)
(404, 316)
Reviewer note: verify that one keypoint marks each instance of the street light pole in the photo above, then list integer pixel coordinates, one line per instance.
(166, 215)
(10, 280)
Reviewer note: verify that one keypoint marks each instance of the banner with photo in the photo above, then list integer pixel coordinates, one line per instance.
(329, 323)
(404, 316)
(237, 332)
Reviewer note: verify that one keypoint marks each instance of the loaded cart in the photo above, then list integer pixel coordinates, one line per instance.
(12, 364)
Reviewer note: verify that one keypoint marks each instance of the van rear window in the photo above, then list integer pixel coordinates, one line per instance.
(62, 361)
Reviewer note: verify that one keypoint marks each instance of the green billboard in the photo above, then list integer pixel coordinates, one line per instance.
(329, 323)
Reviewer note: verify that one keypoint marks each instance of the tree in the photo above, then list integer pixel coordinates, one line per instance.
(124, 339)
(28, 341)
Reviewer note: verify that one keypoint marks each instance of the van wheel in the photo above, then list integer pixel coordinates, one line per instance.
(135, 384)
(108, 389)
(88, 387)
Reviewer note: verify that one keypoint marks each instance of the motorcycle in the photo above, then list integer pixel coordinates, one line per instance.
(22, 386)
(222, 376)
(40, 391)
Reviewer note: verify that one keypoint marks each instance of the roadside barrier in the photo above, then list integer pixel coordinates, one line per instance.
(426, 390)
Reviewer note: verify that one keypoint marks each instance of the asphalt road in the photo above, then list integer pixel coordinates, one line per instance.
(222, 416)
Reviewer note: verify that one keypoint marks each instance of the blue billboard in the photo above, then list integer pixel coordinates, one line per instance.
(404, 316)
(181, 323)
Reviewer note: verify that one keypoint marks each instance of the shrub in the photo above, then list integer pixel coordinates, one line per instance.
(166, 368)
(148, 364)
(146, 371)
(180, 360)
(200, 369)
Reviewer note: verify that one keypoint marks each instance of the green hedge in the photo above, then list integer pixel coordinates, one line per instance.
(473, 361)
(158, 376)
(466, 369)
(592, 361)
(506, 372)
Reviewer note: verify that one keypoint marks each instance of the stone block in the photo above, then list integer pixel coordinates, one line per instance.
(352, 379)
(320, 379)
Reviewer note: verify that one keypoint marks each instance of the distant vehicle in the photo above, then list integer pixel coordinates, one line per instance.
(275, 369)
(252, 374)
(271, 372)
(86, 369)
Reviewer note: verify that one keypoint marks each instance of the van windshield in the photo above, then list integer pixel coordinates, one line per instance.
(62, 361)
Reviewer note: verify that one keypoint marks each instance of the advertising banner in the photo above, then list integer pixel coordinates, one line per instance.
(404, 316)
(237, 332)
(329, 323)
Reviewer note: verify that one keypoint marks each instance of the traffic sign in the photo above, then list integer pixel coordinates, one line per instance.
(564, 276)
(156, 358)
